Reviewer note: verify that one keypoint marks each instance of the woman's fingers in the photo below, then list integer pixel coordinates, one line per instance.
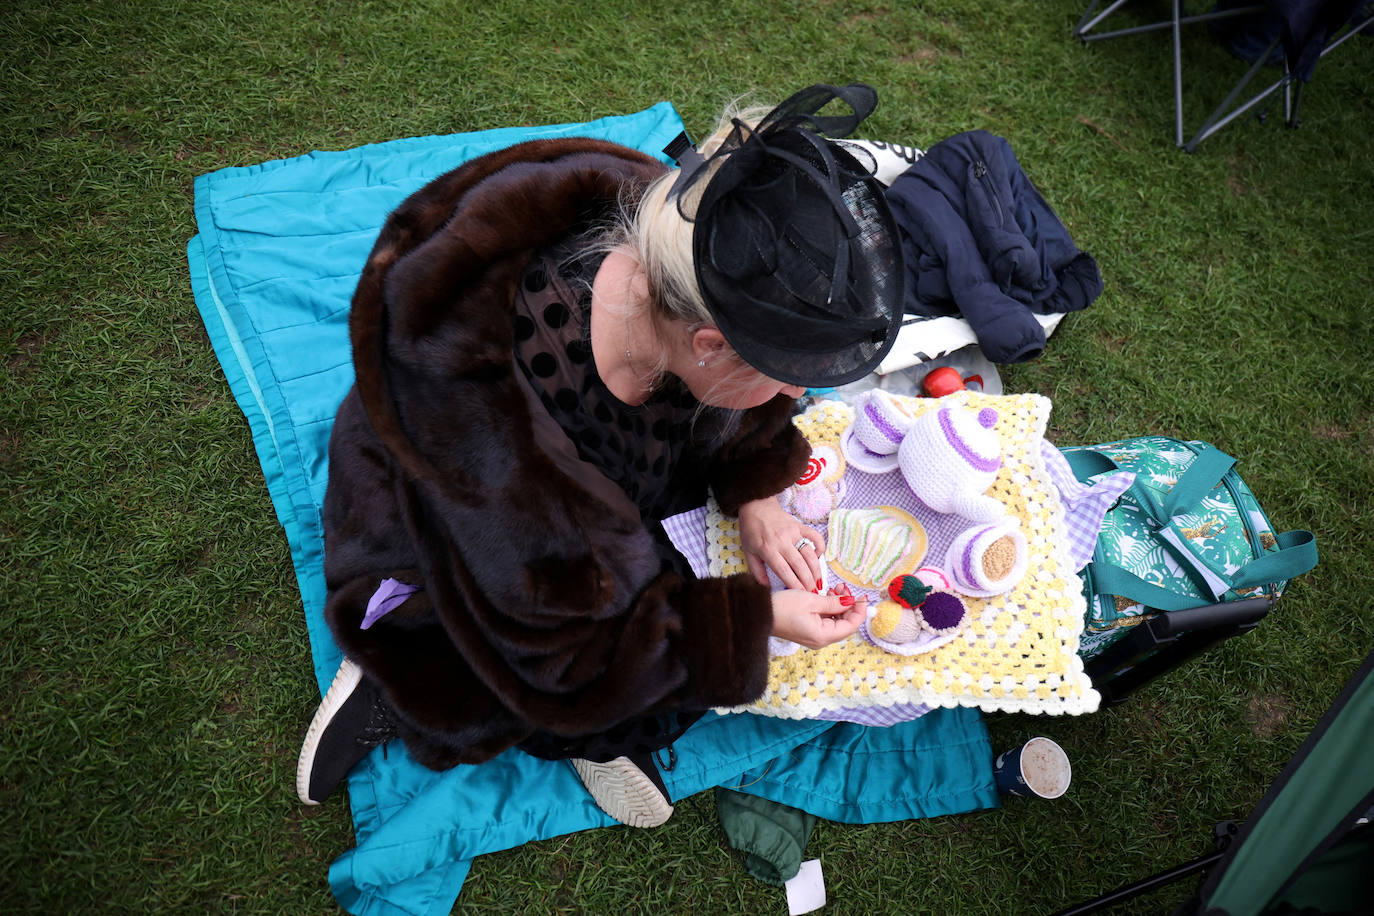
(852, 607)
(757, 567)
(810, 546)
(815, 620)
(844, 621)
(789, 565)
(802, 562)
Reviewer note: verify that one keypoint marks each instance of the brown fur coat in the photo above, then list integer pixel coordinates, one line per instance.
(543, 603)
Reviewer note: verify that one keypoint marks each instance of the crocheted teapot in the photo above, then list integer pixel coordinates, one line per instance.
(949, 455)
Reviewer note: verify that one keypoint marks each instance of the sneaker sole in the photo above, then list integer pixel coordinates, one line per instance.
(345, 682)
(623, 791)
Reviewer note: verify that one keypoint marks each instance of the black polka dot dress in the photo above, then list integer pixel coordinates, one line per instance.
(653, 451)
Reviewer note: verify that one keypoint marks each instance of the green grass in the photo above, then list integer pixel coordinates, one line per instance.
(156, 677)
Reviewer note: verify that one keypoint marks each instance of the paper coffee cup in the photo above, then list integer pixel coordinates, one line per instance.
(1037, 768)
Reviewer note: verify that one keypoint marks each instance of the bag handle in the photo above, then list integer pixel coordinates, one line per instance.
(1296, 555)
(1113, 580)
(1297, 551)
(1209, 466)
(1088, 462)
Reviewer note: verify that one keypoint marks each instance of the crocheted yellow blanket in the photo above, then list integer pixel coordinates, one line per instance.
(1019, 650)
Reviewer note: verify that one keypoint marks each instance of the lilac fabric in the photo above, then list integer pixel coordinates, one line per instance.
(388, 596)
(1084, 508)
(880, 716)
(687, 531)
(1085, 505)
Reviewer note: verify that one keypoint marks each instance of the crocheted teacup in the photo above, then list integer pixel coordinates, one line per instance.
(871, 441)
(988, 560)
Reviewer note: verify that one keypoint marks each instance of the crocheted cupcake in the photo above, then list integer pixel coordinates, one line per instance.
(867, 547)
(818, 491)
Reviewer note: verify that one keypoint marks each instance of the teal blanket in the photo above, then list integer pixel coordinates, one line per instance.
(279, 249)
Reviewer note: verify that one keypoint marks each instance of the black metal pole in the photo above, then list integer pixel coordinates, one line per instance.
(1144, 886)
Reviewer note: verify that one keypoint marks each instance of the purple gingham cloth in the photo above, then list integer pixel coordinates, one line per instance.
(1085, 505)
(881, 716)
(687, 531)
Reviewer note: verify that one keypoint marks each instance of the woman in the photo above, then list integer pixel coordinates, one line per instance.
(558, 345)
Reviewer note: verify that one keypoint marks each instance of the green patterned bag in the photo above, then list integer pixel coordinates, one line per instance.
(1188, 533)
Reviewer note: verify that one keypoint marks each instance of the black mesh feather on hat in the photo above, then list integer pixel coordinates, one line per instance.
(794, 246)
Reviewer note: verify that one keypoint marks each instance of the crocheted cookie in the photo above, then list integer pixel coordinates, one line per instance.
(867, 547)
(934, 578)
(942, 613)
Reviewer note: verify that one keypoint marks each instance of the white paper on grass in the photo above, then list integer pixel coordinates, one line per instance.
(806, 890)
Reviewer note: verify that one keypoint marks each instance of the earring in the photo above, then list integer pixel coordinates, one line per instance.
(701, 364)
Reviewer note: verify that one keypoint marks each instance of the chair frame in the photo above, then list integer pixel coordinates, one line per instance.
(1224, 113)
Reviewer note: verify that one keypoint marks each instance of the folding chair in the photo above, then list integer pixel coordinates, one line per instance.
(1307, 846)
(1298, 59)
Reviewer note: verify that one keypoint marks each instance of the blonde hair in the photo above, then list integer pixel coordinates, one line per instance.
(661, 239)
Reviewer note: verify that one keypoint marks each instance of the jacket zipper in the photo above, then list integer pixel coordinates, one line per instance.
(980, 171)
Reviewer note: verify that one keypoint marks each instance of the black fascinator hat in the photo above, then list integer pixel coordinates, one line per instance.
(793, 244)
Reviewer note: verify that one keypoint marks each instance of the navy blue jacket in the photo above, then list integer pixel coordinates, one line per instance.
(979, 237)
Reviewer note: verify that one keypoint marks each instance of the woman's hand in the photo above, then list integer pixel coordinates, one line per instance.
(770, 538)
(816, 621)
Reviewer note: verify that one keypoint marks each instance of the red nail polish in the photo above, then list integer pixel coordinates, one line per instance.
(847, 601)
(819, 585)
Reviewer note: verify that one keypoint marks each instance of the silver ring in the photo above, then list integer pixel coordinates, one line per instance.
(804, 542)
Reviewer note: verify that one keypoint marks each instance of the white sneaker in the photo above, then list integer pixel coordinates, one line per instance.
(631, 791)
